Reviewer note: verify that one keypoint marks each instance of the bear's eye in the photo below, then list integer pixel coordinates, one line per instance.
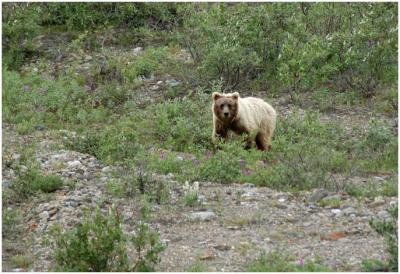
(229, 105)
(222, 106)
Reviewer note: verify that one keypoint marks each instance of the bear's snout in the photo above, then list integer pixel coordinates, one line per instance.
(226, 114)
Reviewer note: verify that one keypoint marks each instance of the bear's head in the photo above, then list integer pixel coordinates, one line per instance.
(225, 105)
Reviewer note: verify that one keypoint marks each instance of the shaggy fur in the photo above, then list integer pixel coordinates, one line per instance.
(251, 116)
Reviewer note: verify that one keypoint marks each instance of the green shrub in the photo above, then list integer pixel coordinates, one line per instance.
(277, 262)
(378, 136)
(81, 16)
(224, 166)
(305, 50)
(198, 266)
(190, 198)
(146, 243)
(22, 261)
(388, 229)
(10, 220)
(373, 189)
(33, 181)
(20, 26)
(96, 244)
(99, 244)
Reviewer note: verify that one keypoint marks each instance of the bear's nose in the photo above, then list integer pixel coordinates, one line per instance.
(226, 114)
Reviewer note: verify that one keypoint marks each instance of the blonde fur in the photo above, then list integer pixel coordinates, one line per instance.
(254, 117)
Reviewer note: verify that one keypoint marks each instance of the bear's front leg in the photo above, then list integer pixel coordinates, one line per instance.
(219, 132)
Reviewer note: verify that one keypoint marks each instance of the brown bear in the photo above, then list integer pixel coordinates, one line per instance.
(251, 116)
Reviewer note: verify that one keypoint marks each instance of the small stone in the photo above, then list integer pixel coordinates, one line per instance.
(281, 206)
(172, 82)
(44, 216)
(53, 211)
(206, 255)
(383, 214)
(249, 185)
(318, 195)
(378, 201)
(333, 236)
(23, 168)
(16, 156)
(6, 183)
(336, 211)
(306, 224)
(88, 58)
(39, 127)
(137, 50)
(203, 216)
(154, 87)
(106, 169)
(159, 82)
(222, 247)
(73, 164)
(349, 211)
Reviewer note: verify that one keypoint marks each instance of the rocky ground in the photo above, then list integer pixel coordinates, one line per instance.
(230, 225)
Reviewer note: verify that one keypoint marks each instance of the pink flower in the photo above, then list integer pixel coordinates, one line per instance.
(301, 261)
(247, 171)
(163, 155)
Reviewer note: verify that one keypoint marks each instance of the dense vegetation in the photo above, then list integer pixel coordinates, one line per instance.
(75, 66)
(342, 53)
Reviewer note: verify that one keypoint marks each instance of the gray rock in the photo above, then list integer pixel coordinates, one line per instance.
(16, 156)
(154, 87)
(318, 195)
(379, 178)
(159, 82)
(172, 82)
(222, 247)
(378, 201)
(44, 216)
(74, 164)
(202, 216)
(349, 211)
(281, 206)
(53, 211)
(383, 214)
(88, 58)
(6, 183)
(106, 169)
(137, 50)
(39, 127)
(332, 197)
(306, 224)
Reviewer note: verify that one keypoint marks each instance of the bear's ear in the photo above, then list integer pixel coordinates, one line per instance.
(216, 96)
(235, 95)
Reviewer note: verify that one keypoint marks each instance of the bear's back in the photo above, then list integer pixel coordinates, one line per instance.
(255, 108)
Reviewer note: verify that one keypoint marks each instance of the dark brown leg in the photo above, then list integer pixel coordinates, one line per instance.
(261, 145)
